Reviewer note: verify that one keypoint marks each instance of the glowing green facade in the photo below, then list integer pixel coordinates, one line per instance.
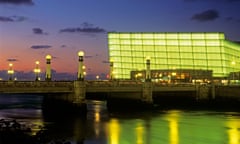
(205, 51)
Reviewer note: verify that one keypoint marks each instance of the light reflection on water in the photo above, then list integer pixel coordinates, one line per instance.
(151, 127)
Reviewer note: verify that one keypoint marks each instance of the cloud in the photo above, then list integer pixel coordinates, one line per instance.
(12, 19)
(6, 19)
(39, 31)
(208, 15)
(85, 28)
(41, 46)
(17, 2)
(12, 60)
(63, 46)
(88, 56)
(232, 19)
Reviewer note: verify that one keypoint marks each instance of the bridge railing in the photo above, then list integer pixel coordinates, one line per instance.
(115, 83)
(36, 84)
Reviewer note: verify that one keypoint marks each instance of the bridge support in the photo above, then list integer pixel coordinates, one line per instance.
(79, 96)
(147, 85)
(147, 92)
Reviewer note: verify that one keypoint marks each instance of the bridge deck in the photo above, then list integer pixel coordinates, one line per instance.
(91, 86)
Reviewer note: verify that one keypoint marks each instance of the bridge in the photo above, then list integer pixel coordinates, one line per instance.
(78, 91)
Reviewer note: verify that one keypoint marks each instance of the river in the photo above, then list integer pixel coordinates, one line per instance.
(173, 126)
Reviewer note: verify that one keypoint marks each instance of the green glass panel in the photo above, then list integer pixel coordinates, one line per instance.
(183, 49)
(198, 36)
(212, 35)
(136, 48)
(160, 48)
(160, 42)
(171, 36)
(184, 36)
(200, 56)
(212, 42)
(148, 36)
(186, 62)
(214, 63)
(211, 56)
(199, 42)
(185, 42)
(160, 36)
(186, 55)
(173, 49)
(136, 36)
(113, 35)
(137, 42)
(148, 42)
(148, 48)
(124, 36)
(172, 42)
(173, 61)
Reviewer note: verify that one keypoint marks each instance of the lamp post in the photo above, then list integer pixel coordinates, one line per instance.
(37, 71)
(148, 71)
(80, 66)
(111, 70)
(233, 63)
(48, 69)
(10, 72)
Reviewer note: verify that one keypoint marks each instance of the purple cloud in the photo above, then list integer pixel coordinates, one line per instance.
(39, 31)
(12, 60)
(208, 15)
(17, 2)
(85, 28)
(12, 19)
(41, 46)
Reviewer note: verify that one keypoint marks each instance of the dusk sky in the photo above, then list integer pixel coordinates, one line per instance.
(31, 29)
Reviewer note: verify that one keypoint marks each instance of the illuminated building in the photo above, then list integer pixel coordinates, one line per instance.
(173, 51)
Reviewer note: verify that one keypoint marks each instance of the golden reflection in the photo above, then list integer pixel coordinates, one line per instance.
(114, 131)
(139, 133)
(172, 117)
(36, 126)
(97, 117)
(233, 131)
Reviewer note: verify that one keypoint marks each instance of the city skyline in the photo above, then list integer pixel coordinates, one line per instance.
(31, 29)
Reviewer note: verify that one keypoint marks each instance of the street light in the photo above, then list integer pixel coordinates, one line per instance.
(111, 70)
(80, 66)
(37, 71)
(233, 63)
(10, 71)
(48, 69)
(148, 71)
(97, 77)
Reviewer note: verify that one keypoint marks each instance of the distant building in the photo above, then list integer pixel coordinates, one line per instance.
(173, 51)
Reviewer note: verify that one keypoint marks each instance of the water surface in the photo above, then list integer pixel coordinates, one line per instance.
(100, 126)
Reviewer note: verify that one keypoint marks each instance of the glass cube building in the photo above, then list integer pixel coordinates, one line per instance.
(193, 50)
